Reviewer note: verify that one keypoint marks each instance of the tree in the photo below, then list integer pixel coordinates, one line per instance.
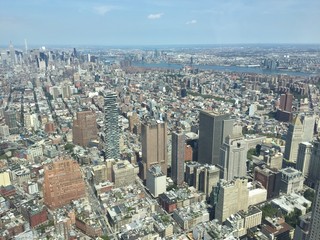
(268, 211)
(293, 217)
(69, 147)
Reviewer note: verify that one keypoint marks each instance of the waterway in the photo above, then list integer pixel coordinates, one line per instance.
(236, 69)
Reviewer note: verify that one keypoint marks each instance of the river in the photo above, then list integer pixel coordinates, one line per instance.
(236, 69)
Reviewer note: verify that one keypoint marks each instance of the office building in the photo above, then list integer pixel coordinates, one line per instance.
(291, 180)
(5, 178)
(286, 102)
(314, 168)
(205, 178)
(178, 157)
(304, 158)
(4, 131)
(99, 173)
(314, 232)
(154, 146)
(213, 129)
(63, 182)
(230, 197)
(308, 123)
(123, 173)
(294, 137)
(233, 156)
(189, 173)
(84, 128)
(10, 117)
(111, 126)
(156, 180)
(273, 158)
(269, 179)
(284, 113)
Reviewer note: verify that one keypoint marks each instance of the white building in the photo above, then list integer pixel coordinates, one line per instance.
(156, 181)
(4, 131)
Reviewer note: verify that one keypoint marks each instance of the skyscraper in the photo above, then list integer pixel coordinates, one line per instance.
(177, 165)
(304, 157)
(308, 123)
(284, 113)
(230, 197)
(233, 156)
(294, 137)
(286, 102)
(314, 167)
(63, 183)
(154, 146)
(205, 178)
(111, 126)
(10, 117)
(213, 129)
(314, 232)
(84, 128)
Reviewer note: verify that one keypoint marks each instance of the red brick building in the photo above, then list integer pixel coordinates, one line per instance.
(34, 214)
(63, 182)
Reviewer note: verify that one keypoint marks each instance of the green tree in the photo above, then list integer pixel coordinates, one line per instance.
(69, 147)
(268, 211)
(293, 217)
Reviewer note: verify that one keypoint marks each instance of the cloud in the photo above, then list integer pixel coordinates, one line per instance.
(155, 16)
(191, 22)
(102, 10)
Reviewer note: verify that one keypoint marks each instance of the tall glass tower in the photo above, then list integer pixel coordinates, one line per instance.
(111, 126)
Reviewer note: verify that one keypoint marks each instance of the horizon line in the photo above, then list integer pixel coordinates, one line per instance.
(152, 45)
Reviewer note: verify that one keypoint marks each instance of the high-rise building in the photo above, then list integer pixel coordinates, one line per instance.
(123, 173)
(314, 167)
(230, 197)
(63, 182)
(314, 232)
(286, 102)
(178, 156)
(291, 180)
(111, 126)
(84, 128)
(205, 178)
(284, 113)
(10, 117)
(65, 91)
(190, 172)
(233, 156)
(294, 137)
(308, 123)
(154, 146)
(156, 180)
(213, 129)
(270, 179)
(4, 131)
(304, 157)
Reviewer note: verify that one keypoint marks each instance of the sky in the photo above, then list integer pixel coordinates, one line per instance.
(158, 22)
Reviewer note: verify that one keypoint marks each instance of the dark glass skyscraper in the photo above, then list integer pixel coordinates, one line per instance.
(10, 117)
(111, 126)
(177, 165)
(213, 129)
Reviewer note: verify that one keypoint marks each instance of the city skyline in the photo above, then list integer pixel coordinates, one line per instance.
(158, 22)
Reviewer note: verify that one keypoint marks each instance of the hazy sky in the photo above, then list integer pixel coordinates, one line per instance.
(152, 22)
